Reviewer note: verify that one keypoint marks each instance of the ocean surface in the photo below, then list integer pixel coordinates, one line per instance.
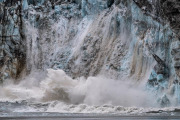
(27, 111)
(74, 116)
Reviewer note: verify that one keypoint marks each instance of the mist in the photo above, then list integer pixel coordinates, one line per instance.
(91, 91)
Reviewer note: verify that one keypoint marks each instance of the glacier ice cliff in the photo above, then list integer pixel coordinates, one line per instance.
(120, 39)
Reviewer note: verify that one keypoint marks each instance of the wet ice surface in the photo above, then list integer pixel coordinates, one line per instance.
(40, 111)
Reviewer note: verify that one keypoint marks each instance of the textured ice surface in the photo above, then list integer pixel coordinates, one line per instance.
(85, 39)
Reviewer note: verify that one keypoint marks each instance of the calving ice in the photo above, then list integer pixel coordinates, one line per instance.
(89, 56)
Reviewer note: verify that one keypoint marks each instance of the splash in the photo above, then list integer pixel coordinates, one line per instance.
(91, 91)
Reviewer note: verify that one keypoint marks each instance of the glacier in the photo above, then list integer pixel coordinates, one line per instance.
(118, 49)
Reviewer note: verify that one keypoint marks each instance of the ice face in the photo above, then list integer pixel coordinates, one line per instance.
(90, 38)
(25, 5)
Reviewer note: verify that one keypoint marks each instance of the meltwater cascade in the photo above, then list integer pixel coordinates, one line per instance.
(89, 56)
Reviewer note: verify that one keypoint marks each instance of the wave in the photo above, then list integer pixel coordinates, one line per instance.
(61, 93)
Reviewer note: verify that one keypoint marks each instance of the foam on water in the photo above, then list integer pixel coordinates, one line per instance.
(93, 90)
(64, 94)
(57, 92)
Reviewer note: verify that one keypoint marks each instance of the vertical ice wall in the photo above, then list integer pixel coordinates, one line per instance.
(120, 39)
(12, 42)
(167, 13)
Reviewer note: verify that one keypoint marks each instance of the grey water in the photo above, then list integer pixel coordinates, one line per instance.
(9, 111)
(74, 116)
